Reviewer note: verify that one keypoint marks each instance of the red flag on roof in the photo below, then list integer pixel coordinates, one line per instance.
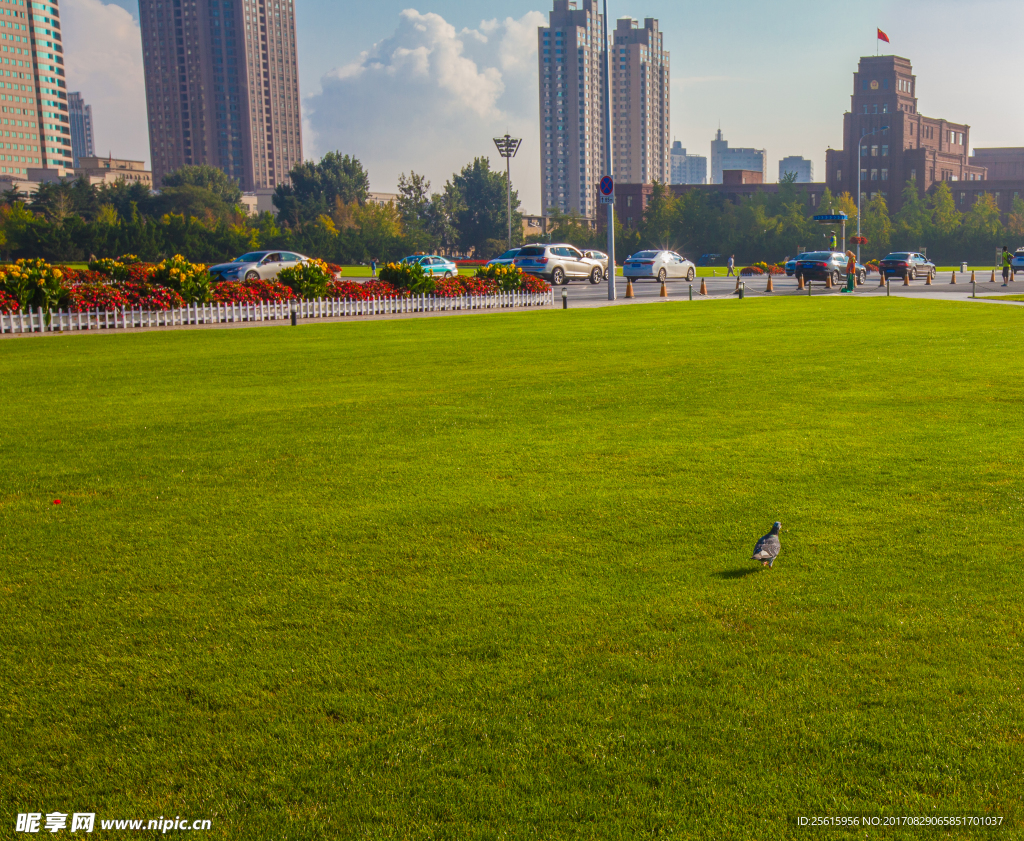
(882, 36)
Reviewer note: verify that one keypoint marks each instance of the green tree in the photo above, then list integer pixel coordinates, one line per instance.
(912, 223)
(656, 229)
(442, 217)
(945, 216)
(315, 185)
(483, 217)
(208, 178)
(1015, 223)
(877, 226)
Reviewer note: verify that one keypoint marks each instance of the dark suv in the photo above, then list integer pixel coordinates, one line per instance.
(908, 264)
(822, 265)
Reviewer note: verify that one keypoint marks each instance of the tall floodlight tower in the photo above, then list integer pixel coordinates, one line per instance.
(507, 148)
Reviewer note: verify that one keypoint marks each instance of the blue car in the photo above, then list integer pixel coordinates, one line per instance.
(433, 265)
(791, 264)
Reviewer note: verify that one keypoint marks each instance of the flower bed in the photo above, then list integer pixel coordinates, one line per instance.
(147, 296)
(85, 297)
(8, 303)
(751, 271)
(251, 292)
(872, 266)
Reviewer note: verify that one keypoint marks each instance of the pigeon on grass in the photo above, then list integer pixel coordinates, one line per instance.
(767, 549)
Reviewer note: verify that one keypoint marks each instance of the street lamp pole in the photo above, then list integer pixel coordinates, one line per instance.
(860, 147)
(608, 151)
(507, 148)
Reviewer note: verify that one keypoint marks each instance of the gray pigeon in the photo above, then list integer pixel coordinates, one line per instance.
(767, 549)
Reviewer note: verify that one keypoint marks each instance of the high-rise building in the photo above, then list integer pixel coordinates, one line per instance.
(33, 104)
(897, 143)
(722, 157)
(222, 87)
(571, 64)
(802, 168)
(687, 169)
(640, 103)
(80, 117)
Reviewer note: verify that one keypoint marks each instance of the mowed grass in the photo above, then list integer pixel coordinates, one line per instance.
(487, 577)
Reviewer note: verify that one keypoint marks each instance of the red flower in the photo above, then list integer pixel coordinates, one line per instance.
(56, 502)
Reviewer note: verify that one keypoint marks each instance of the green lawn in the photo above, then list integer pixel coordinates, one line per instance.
(487, 577)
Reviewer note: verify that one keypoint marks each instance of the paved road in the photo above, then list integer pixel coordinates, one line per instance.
(585, 295)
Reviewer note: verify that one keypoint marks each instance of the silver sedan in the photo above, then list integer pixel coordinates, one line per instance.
(659, 264)
(257, 265)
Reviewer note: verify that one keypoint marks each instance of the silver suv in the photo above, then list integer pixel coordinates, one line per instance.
(558, 263)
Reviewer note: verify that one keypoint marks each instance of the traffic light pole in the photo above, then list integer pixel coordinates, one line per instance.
(608, 152)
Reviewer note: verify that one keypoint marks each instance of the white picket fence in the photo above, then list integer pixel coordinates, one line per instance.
(35, 321)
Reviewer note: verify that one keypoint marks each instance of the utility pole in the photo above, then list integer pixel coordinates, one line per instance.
(507, 148)
(609, 160)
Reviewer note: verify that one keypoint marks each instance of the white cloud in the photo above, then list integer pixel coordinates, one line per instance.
(430, 98)
(103, 60)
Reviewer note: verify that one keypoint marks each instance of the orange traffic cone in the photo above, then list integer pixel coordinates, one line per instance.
(800, 281)
(664, 290)
(973, 280)
(703, 286)
(881, 280)
(629, 289)
(737, 289)
(828, 282)
(993, 278)
(906, 279)
(928, 279)
(954, 279)
(769, 288)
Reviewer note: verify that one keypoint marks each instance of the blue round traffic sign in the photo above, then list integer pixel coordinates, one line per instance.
(607, 186)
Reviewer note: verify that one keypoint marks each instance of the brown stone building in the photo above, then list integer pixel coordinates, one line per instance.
(1006, 164)
(898, 144)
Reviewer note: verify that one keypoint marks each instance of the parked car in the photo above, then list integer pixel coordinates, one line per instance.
(599, 258)
(506, 259)
(434, 265)
(1017, 262)
(790, 266)
(558, 263)
(659, 264)
(257, 265)
(821, 265)
(708, 259)
(906, 264)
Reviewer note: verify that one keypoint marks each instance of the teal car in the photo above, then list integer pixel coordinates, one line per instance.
(433, 265)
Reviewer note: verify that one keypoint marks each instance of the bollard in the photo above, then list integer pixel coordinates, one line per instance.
(691, 291)
(565, 298)
(737, 289)
(800, 282)
(743, 289)
(973, 281)
(974, 286)
(664, 290)
(887, 287)
(629, 289)
(295, 318)
(808, 287)
(703, 287)
(953, 281)
(769, 288)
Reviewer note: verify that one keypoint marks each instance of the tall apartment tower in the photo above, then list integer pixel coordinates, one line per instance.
(571, 61)
(80, 116)
(222, 87)
(640, 103)
(34, 99)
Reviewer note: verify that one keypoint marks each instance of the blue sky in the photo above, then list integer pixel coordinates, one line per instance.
(444, 77)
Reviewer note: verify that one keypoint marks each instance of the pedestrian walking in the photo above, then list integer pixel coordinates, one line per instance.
(1006, 264)
(373, 267)
(732, 266)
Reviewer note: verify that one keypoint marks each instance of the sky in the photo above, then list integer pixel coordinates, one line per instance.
(425, 85)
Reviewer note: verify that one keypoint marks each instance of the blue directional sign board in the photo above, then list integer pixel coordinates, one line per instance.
(832, 217)
(607, 186)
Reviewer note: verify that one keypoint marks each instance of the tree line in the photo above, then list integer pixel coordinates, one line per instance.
(323, 211)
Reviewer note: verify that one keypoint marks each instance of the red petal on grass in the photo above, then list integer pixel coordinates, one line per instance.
(56, 502)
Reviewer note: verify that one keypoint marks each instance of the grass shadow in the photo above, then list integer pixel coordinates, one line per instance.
(730, 574)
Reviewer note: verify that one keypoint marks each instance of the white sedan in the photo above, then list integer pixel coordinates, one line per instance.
(659, 264)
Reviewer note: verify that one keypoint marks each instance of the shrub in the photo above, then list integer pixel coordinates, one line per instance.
(8, 303)
(307, 280)
(508, 278)
(85, 297)
(411, 277)
(334, 269)
(34, 283)
(113, 269)
(190, 280)
(750, 271)
(140, 272)
(129, 259)
(872, 266)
